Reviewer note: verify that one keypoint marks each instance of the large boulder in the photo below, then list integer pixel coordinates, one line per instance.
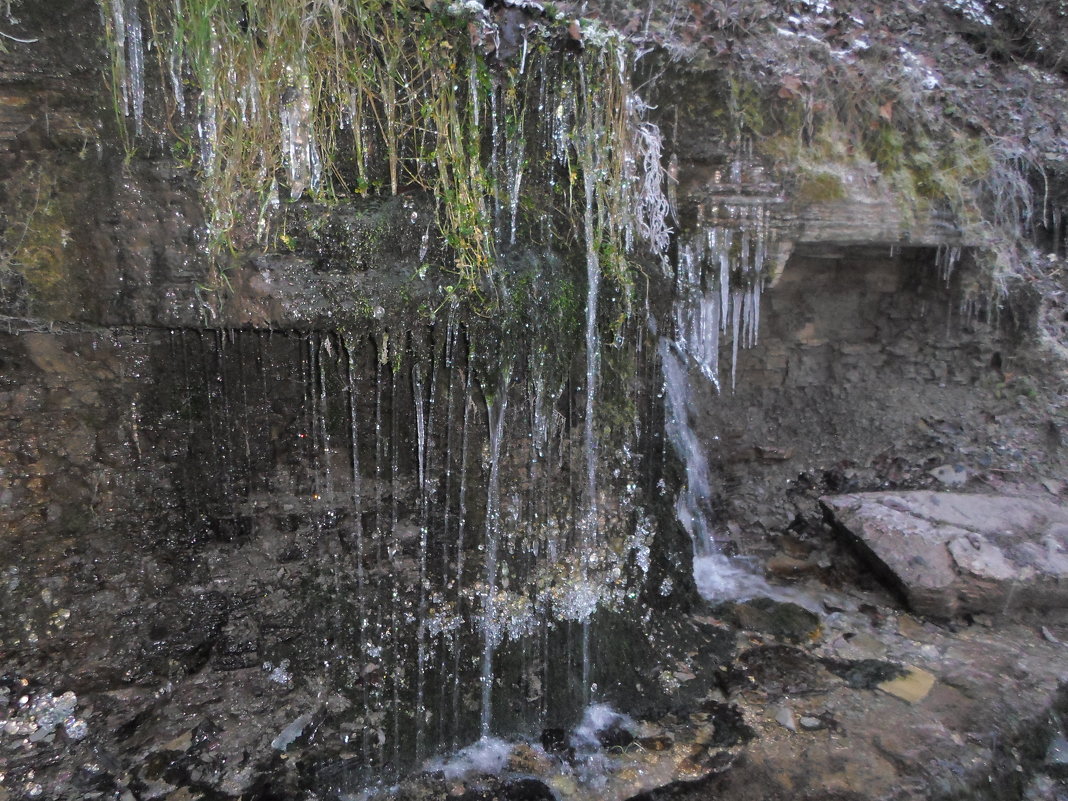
(951, 554)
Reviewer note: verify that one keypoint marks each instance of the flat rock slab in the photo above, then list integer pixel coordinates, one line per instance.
(951, 553)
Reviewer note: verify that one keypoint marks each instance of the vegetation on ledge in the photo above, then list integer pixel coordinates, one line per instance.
(520, 123)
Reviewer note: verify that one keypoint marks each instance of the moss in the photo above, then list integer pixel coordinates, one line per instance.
(805, 129)
(747, 106)
(819, 187)
(37, 235)
(885, 146)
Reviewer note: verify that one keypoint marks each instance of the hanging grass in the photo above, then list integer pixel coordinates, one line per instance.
(520, 125)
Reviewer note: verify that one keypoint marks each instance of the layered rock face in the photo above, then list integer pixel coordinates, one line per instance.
(292, 528)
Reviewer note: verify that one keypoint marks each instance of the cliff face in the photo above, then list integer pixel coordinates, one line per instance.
(307, 483)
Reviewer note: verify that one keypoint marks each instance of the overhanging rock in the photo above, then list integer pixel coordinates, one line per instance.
(952, 554)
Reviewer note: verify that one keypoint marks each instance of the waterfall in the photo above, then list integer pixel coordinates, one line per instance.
(719, 277)
(717, 576)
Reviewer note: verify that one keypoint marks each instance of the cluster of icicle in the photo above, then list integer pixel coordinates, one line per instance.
(720, 277)
(123, 24)
(946, 259)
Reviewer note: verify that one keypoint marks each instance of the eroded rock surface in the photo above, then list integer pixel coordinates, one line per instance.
(952, 553)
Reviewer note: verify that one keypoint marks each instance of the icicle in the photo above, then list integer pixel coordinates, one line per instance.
(300, 150)
(324, 431)
(135, 63)
(350, 346)
(175, 65)
(724, 278)
(422, 444)
(516, 146)
(208, 130)
(946, 258)
(495, 162)
(736, 318)
(129, 54)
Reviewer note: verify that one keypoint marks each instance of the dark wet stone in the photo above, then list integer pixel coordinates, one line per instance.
(230, 528)
(1056, 760)
(615, 736)
(864, 674)
(729, 722)
(236, 650)
(784, 621)
(776, 671)
(508, 790)
(183, 633)
(555, 741)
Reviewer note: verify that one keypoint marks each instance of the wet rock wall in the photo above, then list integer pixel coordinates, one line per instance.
(873, 367)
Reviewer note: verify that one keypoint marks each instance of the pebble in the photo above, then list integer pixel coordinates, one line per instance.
(951, 475)
(784, 716)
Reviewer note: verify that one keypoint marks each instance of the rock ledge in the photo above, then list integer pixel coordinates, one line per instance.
(952, 554)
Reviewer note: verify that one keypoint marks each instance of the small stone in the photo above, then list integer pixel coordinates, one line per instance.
(912, 687)
(75, 728)
(810, 723)
(952, 475)
(784, 566)
(180, 743)
(863, 646)
(784, 716)
(770, 453)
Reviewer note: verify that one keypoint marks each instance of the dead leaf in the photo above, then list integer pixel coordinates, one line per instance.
(886, 111)
(790, 88)
(574, 30)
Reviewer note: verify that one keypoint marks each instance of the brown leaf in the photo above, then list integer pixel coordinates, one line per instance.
(790, 88)
(574, 30)
(886, 111)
